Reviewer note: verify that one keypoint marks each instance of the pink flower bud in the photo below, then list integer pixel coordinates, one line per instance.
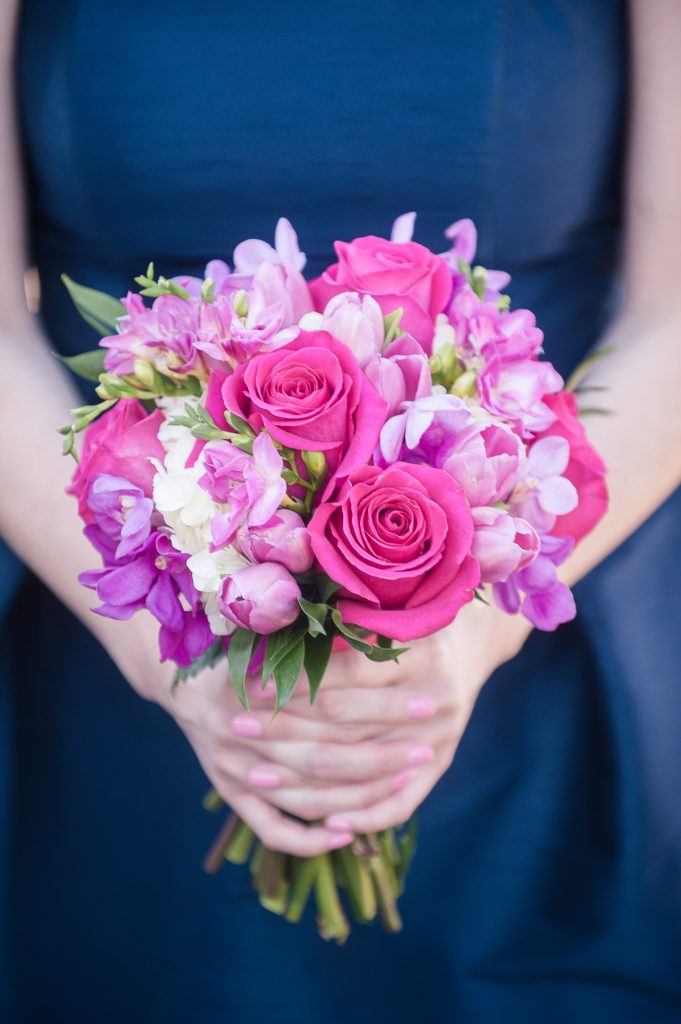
(284, 539)
(502, 544)
(263, 598)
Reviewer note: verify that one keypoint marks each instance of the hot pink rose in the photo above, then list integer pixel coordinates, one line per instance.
(396, 274)
(398, 541)
(310, 396)
(121, 443)
(585, 469)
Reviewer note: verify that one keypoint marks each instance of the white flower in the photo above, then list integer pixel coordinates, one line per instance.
(209, 568)
(219, 625)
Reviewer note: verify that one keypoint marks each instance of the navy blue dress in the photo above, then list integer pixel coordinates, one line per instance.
(547, 883)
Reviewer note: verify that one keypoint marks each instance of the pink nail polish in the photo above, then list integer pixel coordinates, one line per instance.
(245, 726)
(420, 755)
(337, 824)
(342, 840)
(421, 707)
(263, 778)
(403, 779)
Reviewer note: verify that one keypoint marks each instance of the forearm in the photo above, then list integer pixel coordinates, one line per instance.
(37, 518)
(640, 440)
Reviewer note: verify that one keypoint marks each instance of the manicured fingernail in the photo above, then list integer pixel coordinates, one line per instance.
(337, 824)
(342, 840)
(263, 778)
(403, 779)
(420, 755)
(421, 707)
(243, 725)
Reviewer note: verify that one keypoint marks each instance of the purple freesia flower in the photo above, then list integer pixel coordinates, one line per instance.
(121, 512)
(542, 492)
(464, 238)
(226, 333)
(536, 590)
(423, 431)
(515, 391)
(251, 486)
(162, 334)
(142, 569)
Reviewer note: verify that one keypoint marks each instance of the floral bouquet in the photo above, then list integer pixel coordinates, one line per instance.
(277, 467)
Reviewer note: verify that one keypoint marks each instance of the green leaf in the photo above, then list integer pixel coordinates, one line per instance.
(278, 645)
(354, 636)
(316, 615)
(327, 586)
(241, 426)
(239, 654)
(287, 673)
(88, 365)
(317, 654)
(98, 309)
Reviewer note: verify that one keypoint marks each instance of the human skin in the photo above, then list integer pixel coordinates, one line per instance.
(379, 737)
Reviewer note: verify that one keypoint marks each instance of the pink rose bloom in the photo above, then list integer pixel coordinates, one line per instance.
(502, 544)
(585, 469)
(398, 275)
(263, 598)
(309, 396)
(516, 391)
(398, 541)
(402, 374)
(121, 443)
(284, 539)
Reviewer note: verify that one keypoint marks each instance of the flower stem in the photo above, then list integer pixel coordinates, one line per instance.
(368, 848)
(215, 857)
(358, 883)
(304, 876)
(331, 920)
(238, 850)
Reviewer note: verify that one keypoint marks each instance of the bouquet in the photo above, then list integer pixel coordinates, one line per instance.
(275, 467)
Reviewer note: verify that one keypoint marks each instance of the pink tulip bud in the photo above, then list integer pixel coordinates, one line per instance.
(262, 597)
(284, 539)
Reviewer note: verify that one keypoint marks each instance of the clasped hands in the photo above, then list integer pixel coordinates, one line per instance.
(365, 755)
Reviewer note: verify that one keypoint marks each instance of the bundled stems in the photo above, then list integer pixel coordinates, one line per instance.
(370, 871)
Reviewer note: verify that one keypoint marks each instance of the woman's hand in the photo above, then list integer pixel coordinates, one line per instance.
(363, 756)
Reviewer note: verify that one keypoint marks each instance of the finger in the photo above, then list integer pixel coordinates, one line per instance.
(336, 763)
(286, 726)
(386, 706)
(280, 833)
(350, 668)
(396, 809)
(315, 804)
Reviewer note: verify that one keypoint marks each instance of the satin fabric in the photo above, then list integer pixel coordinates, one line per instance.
(546, 885)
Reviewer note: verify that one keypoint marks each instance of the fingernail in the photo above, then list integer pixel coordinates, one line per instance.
(263, 778)
(421, 707)
(420, 755)
(242, 725)
(337, 824)
(403, 779)
(342, 840)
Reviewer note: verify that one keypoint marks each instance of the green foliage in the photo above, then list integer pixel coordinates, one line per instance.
(88, 365)
(317, 655)
(241, 645)
(98, 309)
